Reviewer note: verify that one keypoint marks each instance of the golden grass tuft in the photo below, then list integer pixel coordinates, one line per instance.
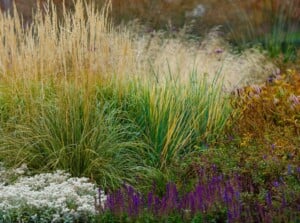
(80, 46)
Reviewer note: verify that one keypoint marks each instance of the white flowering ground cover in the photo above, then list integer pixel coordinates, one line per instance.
(48, 197)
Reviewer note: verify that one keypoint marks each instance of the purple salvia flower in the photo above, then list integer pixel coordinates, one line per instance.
(191, 201)
(229, 216)
(220, 177)
(109, 204)
(226, 197)
(276, 184)
(163, 205)
(239, 205)
(118, 202)
(184, 203)
(130, 199)
(157, 205)
(208, 189)
(174, 196)
(167, 199)
(228, 193)
(218, 186)
(283, 202)
(198, 197)
(136, 203)
(150, 200)
(269, 199)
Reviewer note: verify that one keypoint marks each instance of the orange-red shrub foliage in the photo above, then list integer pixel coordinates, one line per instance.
(270, 113)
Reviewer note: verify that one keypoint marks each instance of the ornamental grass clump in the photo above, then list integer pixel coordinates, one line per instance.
(70, 129)
(175, 120)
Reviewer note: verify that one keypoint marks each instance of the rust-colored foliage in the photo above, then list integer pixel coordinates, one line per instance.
(270, 114)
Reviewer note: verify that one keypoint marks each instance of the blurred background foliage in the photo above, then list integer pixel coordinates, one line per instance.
(271, 24)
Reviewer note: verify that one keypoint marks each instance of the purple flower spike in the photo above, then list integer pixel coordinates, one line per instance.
(269, 199)
(150, 200)
(192, 203)
(276, 184)
(283, 202)
(156, 205)
(136, 204)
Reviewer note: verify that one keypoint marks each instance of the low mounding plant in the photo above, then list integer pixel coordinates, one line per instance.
(270, 112)
(263, 141)
(48, 197)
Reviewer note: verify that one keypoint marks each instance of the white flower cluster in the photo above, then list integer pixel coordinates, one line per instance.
(7, 176)
(57, 193)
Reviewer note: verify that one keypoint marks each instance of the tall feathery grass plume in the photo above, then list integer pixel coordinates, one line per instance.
(80, 45)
